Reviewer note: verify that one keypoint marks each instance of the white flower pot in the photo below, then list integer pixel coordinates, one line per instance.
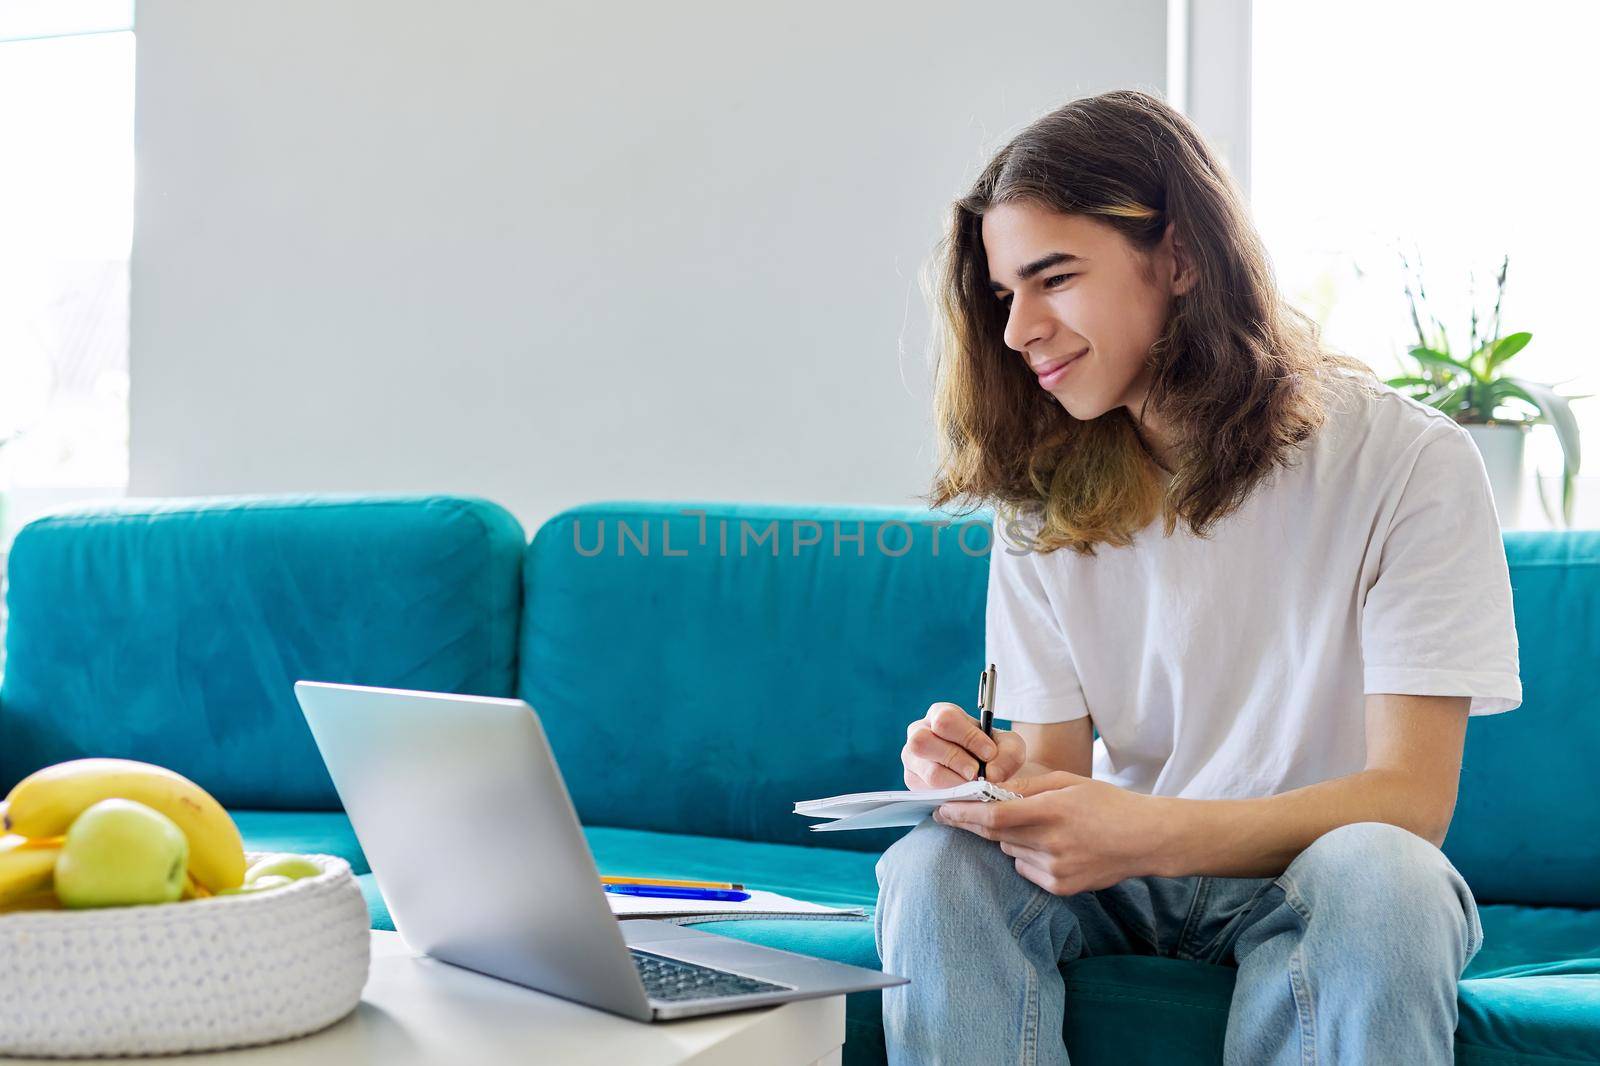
(1501, 444)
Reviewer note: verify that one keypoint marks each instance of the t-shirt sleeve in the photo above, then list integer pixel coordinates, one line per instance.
(1438, 621)
(1034, 676)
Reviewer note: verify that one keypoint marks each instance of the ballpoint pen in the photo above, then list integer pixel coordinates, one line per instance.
(678, 892)
(986, 708)
(610, 879)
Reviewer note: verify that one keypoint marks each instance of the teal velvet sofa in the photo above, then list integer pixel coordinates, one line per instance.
(753, 654)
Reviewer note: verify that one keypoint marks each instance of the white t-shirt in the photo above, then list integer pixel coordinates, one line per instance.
(1237, 666)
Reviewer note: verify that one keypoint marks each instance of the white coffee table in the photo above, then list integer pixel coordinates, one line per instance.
(418, 1010)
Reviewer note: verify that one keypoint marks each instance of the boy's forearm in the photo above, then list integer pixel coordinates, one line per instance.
(1260, 837)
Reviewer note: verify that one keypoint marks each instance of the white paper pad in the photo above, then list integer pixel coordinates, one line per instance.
(879, 810)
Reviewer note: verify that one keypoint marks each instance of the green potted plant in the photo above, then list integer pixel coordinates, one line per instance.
(1473, 388)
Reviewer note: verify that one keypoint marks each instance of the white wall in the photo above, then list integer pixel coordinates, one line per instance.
(552, 253)
(1216, 90)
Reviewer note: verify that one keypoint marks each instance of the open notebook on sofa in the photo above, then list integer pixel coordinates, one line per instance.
(759, 905)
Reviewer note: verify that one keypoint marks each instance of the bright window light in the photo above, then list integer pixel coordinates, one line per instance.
(1453, 130)
(66, 222)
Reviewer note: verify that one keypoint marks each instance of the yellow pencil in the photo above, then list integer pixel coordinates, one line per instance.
(606, 880)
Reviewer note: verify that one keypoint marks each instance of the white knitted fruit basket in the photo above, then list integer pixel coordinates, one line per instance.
(198, 975)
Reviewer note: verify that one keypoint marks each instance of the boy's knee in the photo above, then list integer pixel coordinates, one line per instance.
(932, 856)
(1379, 881)
(1375, 856)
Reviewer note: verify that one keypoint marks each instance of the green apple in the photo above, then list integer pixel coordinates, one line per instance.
(259, 884)
(119, 853)
(293, 867)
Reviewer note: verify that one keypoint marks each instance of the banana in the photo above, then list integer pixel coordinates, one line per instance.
(42, 900)
(44, 804)
(25, 872)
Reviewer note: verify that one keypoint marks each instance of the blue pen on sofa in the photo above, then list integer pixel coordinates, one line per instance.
(674, 892)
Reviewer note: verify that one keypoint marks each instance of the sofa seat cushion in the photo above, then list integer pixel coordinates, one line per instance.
(1531, 995)
(306, 832)
(375, 904)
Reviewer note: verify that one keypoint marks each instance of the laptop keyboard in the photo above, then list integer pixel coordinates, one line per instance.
(670, 979)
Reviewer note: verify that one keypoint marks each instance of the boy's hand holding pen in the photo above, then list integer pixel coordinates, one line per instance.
(948, 746)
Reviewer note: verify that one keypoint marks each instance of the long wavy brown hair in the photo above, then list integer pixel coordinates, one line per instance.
(1240, 375)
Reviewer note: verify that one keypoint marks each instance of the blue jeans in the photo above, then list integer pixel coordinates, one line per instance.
(1351, 955)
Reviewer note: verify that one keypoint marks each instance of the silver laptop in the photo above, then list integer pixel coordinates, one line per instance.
(475, 845)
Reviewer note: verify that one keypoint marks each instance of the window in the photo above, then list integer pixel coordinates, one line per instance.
(66, 220)
(1450, 130)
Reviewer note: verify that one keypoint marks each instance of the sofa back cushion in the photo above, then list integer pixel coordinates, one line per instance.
(703, 684)
(700, 673)
(173, 631)
(1527, 822)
